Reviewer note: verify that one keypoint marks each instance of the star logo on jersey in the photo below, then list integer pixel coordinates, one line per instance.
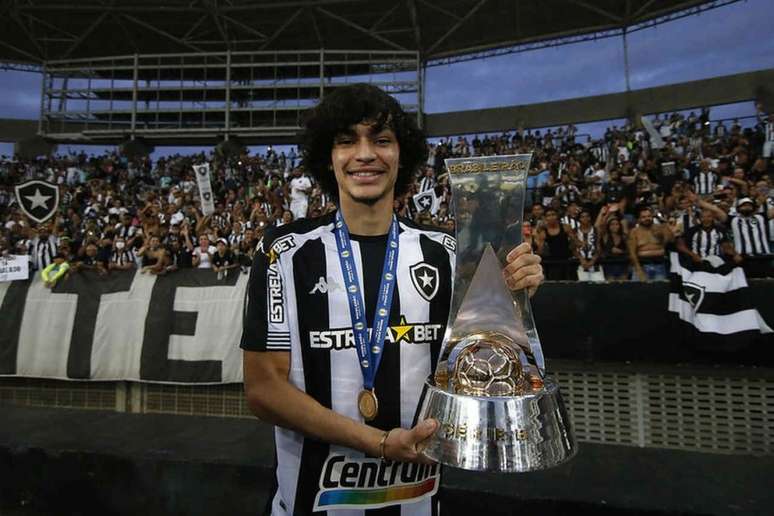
(401, 330)
(38, 200)
(425, 279)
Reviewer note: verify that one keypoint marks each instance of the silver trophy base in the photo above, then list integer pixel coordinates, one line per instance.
(503, 434)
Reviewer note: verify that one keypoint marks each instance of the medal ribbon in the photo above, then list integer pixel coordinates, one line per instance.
(368, 353)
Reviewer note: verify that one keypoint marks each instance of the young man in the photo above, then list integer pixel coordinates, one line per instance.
(343, 425)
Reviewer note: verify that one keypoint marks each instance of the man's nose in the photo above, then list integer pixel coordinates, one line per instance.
(364, 150)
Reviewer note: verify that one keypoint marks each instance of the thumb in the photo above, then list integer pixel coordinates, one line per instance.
(423, 430)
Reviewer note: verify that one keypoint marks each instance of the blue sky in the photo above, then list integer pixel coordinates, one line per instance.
(731, 39)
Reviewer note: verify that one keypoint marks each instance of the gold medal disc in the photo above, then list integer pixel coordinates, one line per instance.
(367, 404)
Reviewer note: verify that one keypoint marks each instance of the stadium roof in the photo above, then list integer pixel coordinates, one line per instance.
(35, 31)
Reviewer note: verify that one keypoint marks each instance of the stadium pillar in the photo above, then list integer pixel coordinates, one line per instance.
(626, 59)
(421, 72)
(43, 92)
(322, 73)
(134, 95)
(228, 94)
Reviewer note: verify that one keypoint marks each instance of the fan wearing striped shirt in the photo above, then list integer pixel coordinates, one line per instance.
(704, 239)
(705, 181)
(122, 258)
(43, 247)
(750, 232)
(586, 248)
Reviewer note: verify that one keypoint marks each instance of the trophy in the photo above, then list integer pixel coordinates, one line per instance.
(497, 410)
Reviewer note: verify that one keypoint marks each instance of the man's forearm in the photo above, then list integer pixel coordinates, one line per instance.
(282, 404)
(633, 252)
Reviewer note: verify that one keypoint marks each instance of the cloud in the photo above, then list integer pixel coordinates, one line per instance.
(727, 40)
(22, 95)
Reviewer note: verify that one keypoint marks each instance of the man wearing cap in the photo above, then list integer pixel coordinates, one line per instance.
(750, 239)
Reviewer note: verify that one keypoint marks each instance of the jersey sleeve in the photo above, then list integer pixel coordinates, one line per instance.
(265, 326)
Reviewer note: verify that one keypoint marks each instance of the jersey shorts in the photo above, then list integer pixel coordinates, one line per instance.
(297, 303)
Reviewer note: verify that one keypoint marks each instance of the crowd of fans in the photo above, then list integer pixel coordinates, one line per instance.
(596, 209)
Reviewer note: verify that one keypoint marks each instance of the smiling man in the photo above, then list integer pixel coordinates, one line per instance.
(345, 318)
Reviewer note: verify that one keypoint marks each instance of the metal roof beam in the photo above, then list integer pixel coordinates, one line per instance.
(361, 29)
(644, 8)
(69, 7)
(316, 27)
(14, 14)
(442, 10)
(598, 10)
(412, 8)
(85, 34)
(456, 26)
(282, 27)
(258, 6)
(37, 59)
(162, 33)
(383, 17)
(212, 7)
(194, 27)
(51, 27)
(244, 26)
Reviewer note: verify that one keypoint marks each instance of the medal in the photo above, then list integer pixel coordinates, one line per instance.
(369, 350)
(367, 404)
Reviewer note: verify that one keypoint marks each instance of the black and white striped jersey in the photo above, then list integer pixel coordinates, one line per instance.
(687, 219)
(704, 242)
(123, 257)
(567, 194)
(426, 183)
(43, 251)
(297, 303)
(750, 235)
(571, 222)
(705, 183)
(588, 243)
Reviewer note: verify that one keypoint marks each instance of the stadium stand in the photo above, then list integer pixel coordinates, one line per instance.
(112, 206)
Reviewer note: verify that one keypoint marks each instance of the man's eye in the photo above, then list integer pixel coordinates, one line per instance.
(383, 141)
(343, 141)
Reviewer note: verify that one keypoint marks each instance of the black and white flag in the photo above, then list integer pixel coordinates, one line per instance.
(427, 201)
(202, 173)
(38, 200)
(713, 298)
(656, 142)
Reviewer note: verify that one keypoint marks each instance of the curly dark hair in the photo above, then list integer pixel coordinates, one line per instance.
(348, 106)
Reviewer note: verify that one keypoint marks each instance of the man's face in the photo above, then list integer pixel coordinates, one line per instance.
(762, 188)
(707, 218)
(365, 163)
(646, 218)
(746, 209)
